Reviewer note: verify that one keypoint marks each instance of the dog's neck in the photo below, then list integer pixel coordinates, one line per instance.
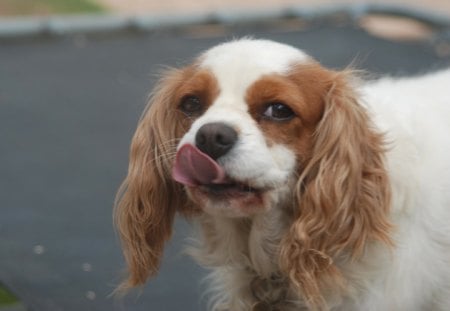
(247, 250)
(244, 243)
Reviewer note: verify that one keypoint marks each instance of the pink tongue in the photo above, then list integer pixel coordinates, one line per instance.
(193, 167)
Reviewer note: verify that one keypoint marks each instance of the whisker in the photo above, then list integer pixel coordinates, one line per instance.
(170, 143)
(168, 156)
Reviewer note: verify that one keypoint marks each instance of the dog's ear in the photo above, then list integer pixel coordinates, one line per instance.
(343, 194)
(148, 199)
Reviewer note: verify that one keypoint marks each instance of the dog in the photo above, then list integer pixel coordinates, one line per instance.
(312, 189)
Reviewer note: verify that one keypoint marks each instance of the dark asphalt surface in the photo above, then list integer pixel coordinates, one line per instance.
(68, 108)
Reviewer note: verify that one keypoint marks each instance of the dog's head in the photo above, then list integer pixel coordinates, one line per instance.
(250, 126)
(250, 120)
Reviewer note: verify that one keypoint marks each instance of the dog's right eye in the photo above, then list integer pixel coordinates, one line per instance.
(191, 105)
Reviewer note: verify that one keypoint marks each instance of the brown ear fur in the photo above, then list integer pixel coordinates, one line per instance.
(148, 198)
(343, 196)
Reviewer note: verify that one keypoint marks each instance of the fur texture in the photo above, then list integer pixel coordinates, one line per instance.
(337, 194)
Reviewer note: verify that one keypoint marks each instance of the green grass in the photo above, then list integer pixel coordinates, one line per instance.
(6, 298)
(47, 7)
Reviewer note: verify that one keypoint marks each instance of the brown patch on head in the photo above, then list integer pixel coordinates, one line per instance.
(198, 83)
(303, 90)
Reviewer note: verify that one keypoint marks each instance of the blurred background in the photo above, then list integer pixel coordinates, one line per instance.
(74, 78)
(46, 7)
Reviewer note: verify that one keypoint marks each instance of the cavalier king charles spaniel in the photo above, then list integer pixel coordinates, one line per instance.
(312, 190)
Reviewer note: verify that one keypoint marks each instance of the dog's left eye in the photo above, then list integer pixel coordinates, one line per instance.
(278, 112)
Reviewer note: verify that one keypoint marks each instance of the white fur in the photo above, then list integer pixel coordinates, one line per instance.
(414, 113)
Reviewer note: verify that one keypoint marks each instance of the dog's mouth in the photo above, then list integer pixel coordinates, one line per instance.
(197, 170)
(227, 190)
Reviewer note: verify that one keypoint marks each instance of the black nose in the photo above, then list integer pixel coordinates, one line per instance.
(215, 139)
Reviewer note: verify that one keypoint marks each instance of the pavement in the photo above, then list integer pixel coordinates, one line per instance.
(69, 105)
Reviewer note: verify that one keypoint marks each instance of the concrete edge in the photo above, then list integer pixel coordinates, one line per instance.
(60, 25)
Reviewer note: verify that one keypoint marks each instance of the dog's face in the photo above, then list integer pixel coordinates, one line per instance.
(249, 118)
(252, 126)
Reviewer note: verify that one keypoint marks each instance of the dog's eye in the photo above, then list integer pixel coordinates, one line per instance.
(278, 112)
(191, 105)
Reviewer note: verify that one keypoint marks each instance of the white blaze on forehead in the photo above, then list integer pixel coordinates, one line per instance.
(238, 64)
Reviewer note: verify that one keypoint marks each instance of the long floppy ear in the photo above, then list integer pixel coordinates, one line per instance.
(148, 199)
(343, 195)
